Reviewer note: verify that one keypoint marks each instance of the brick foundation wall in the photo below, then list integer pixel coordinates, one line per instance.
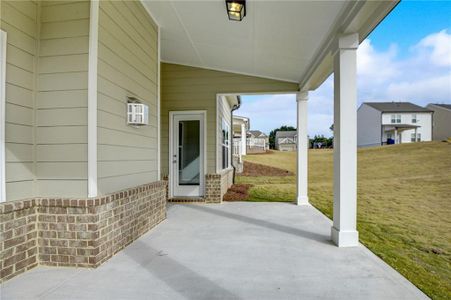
(18, 237)
(213, 188)
(76, 232)
(216, 185)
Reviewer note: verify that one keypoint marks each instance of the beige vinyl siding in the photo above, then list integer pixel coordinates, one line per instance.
(190, 88)
(127, 66)
(19, 20)
(61, 99)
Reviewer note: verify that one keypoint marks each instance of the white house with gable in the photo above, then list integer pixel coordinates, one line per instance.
(381, 123)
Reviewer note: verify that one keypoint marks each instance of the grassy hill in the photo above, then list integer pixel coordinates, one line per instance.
(404, 204)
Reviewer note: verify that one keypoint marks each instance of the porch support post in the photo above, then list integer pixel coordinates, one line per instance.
(243, 139)
(302, 149)
(344, 231)
(416, 133)
(396, 136)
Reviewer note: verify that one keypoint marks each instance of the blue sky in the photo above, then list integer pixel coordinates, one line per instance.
(406, 58)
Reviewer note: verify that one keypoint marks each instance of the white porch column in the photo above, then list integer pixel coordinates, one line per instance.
(243, 139)
(396, 136)
(416, 134)
(302, 149)
(344, 232)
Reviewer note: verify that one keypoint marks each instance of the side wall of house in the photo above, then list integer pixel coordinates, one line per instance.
(223, 115)
(61, 99)
(368, 126)
(441, 123)
(127, 67)
(190, 88)
(20, 21)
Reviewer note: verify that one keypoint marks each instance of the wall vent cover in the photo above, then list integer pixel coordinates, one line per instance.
(137, 114)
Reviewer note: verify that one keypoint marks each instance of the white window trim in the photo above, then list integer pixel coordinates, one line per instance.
(224, 121)
(3, 37)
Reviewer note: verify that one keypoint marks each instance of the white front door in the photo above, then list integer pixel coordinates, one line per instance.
(187, 154)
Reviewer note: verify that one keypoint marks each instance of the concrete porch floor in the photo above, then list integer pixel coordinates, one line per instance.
(230, 251)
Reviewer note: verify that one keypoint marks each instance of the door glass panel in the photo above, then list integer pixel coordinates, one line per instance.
(189, 152)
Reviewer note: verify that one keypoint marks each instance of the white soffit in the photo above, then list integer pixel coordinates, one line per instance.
(276, 39)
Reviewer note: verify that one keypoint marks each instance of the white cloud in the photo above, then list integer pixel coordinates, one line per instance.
(424, 75)
(269, 111)
(376, 65)
(421, 76)
(437, 47)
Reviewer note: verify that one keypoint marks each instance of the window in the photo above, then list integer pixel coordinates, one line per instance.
(412, 137)
(389, 136)
(414, 118)
(225, 144)
(418, 137)
(395, 119)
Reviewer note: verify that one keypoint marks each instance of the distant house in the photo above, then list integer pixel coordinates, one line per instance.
(240, 128)
(441, 125)
(286, 140)
(257, 141)
(380, 123)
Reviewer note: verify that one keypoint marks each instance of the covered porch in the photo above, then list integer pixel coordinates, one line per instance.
(320, 39)
(235, 250)
(394, 132)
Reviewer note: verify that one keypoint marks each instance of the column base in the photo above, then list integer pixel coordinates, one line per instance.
(343, 238)
(302, 200)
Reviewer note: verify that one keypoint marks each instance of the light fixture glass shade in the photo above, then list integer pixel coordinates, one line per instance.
(236, 9)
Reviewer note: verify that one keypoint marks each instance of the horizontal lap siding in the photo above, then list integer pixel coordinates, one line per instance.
(127, 66)
(61, 99)
(190, 88)
(19, 20)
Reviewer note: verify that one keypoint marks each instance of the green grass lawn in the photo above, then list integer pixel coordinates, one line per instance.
(404, 204)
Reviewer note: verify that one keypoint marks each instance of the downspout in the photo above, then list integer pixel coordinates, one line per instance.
(235, 107)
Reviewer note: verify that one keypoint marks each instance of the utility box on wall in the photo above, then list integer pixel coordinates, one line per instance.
(137, 114)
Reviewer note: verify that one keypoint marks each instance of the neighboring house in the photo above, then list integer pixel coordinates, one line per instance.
(380, 123)
(286, 140)
(257, 141)
(441, 122)
(107, 108)
(241, 126)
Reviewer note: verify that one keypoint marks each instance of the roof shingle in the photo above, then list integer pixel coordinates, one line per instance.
(397, 107)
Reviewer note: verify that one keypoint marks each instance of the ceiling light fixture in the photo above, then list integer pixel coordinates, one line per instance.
(236, 9)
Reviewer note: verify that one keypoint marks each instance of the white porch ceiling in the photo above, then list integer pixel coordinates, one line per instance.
(276, 39)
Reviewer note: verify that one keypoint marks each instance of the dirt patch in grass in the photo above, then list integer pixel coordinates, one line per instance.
(253, 169)
(237, 192)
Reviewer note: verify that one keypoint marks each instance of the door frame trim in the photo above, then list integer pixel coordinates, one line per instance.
(203, 113)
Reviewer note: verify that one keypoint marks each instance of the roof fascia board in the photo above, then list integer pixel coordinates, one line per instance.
(344, 24)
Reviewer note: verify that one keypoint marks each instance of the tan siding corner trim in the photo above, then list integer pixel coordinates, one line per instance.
(2, 115)
(159, 106)
(92, 98)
